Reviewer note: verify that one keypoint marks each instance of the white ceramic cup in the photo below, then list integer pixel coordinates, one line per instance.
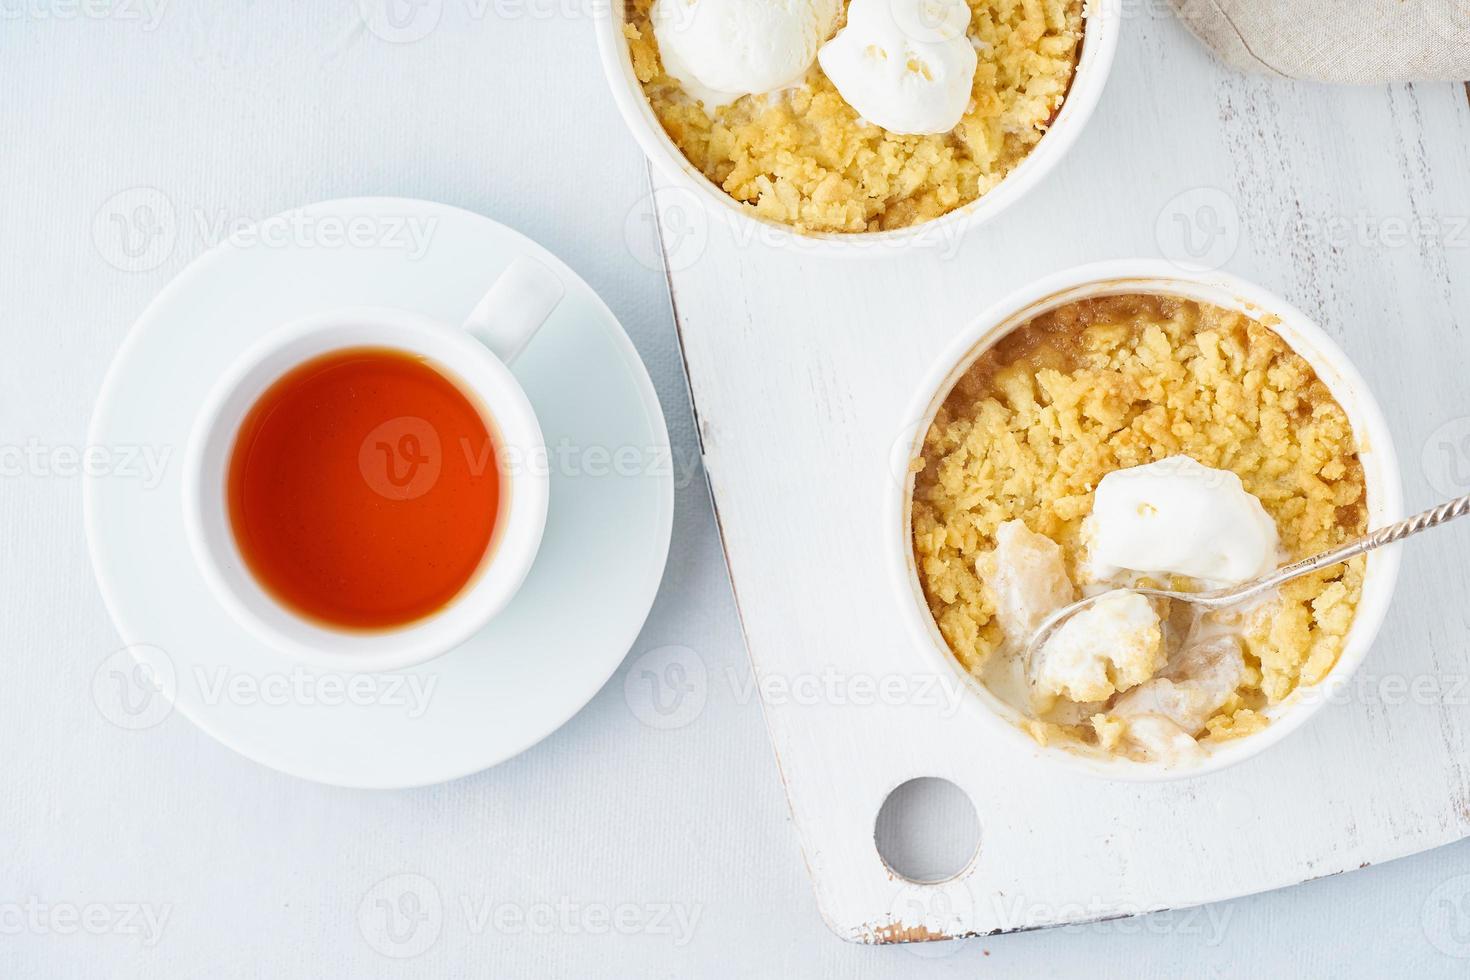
(1375, 450)
(1102, 28)
(474, 354)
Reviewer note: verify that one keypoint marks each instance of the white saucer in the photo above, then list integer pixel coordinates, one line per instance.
(523, 676)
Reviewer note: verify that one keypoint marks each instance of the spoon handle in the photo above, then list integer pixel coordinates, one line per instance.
(1220, 598)
(1433, 517)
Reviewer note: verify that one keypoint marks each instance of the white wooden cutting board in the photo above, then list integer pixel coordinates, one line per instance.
(1355, 205)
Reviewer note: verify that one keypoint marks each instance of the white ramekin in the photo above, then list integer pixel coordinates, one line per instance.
(1380, 470)
(1100, 42)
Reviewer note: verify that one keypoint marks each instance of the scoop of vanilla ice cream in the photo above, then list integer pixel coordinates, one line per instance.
(1112, 645)
(905, 65)
(1179, 517)
(719, 50)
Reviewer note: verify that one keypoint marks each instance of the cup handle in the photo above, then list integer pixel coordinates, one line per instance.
(515, 308)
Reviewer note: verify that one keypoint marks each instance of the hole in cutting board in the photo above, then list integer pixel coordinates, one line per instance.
(927, 830)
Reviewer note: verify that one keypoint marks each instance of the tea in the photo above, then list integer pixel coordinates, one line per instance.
(364, 489)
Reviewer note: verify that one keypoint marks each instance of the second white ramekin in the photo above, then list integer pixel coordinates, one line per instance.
(1103, 23)
(1375, 450)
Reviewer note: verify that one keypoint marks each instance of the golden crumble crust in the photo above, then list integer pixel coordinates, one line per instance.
(1103, 384)
(806, 159)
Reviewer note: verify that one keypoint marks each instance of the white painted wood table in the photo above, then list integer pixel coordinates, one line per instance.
(1352, 203)
(236, 111)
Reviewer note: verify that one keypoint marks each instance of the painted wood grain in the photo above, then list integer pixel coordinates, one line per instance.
(1350, 202)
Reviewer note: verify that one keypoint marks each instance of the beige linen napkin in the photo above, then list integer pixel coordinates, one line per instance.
(1347, 41)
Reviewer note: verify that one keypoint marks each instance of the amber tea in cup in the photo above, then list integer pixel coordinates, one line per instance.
(364, 490)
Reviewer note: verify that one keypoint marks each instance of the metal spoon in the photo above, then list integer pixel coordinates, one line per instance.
(1220, 598)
